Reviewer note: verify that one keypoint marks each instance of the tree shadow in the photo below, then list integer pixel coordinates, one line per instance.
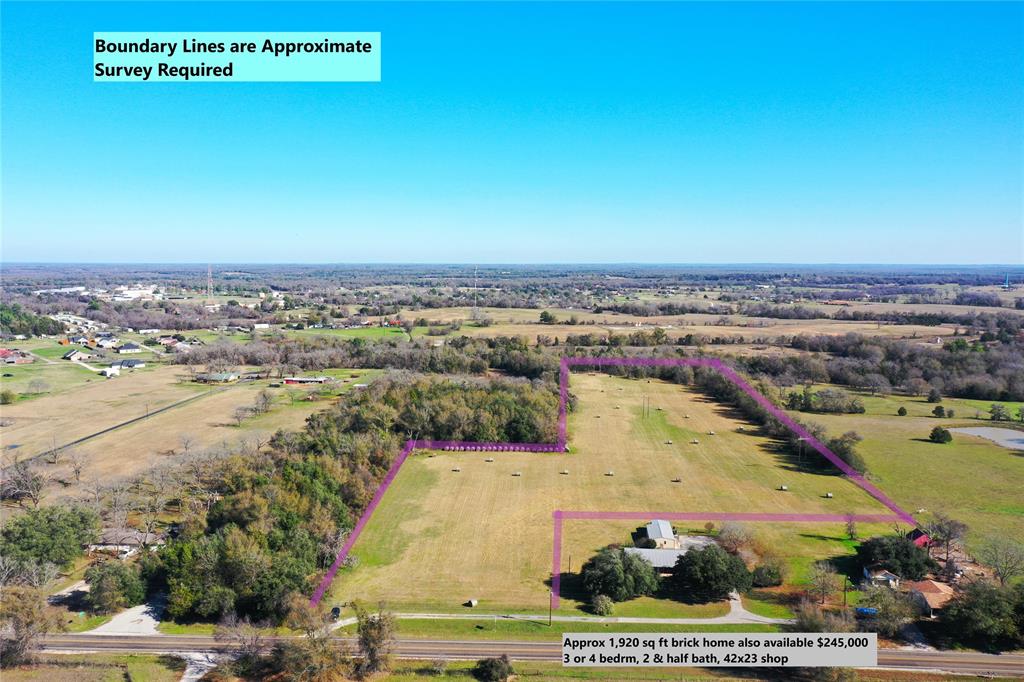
(172, 662)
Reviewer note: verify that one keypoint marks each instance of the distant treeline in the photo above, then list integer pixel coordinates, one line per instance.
(980, 370)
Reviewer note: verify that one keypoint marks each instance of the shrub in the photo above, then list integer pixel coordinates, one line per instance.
(940, 435)
(769, 573)
(939, 411)
(902, 411)
(493, 669)
(7, 396)
(733, 537)
(934, 396)
(601, 605)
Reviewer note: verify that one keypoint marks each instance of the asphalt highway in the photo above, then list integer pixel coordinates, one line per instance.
(1006, 665)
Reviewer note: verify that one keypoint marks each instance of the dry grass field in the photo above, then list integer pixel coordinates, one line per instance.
(441, 537)
(67, 415)
(524, 322)
(208, 421)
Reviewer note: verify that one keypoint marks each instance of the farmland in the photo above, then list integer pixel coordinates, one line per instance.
(920, 474)
(525, 322)
(199, 414)
(442, 537)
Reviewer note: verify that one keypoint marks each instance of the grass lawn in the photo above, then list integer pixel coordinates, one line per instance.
(417, 671)
(58, 377)
(972, 479)
(84, 622)
(100, 668)
(440, 538)
(427, 628)
(169, 627)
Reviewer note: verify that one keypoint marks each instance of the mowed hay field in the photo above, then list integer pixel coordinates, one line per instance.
(972, 479)
(441, 537)
(524, 322)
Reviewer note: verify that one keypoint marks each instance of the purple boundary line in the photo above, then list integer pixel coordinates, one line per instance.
(559, 446)
(558, 516)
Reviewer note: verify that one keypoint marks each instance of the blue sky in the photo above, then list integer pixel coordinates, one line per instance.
(571, 132)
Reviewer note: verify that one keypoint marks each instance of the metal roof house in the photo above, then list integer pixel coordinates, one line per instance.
(662, 534)
(664, 560)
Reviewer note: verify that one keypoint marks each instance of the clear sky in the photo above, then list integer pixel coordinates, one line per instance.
(572, 132)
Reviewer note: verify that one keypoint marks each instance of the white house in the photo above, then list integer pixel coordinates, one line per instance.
(261, 325)
(108, 342)
(111, 372)
(662, 534)
(124, 542)
(128, 348)
(149, 331)
(877, 575)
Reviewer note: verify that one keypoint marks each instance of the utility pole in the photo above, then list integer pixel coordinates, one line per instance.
(551, 605)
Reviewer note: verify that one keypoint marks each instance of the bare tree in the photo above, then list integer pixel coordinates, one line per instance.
(53, 456)
(946, 531)
(1006, 558)
(77, 462)
(264, 401)
(118, 506)
(241, 414)
(823, 580)
(37, 386)
(39, 575)
(186, 440)
(851, 527)
(241, 638)
(23, 481)
(150, 499)
(8, 569)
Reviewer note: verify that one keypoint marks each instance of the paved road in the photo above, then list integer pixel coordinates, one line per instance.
(949, 661)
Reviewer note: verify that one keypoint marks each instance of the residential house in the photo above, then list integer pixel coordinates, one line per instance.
(9, 356)
(107, 342)
(149, 331)
(662, 534)
(111, 372)
(217, 378)
(124, 542)
(307, 380)
(128, 364)
(664, 560)
(128, 348)
(929, 595)
(77, 355)
(879, 575)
